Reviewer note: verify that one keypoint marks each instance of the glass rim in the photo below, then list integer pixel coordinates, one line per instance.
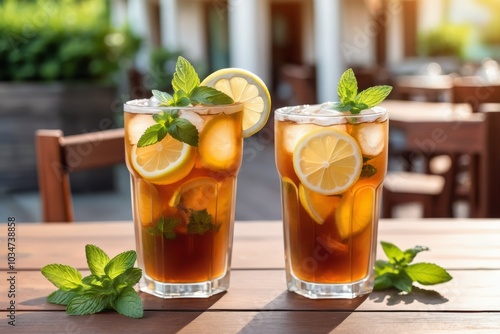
(142, 106)
(291, 111)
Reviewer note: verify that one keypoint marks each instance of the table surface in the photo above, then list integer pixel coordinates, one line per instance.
(257, 301)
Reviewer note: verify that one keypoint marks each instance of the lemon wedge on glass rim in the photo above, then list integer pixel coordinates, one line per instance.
(244, 87)
(327, 161)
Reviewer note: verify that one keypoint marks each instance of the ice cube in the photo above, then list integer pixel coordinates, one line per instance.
(153, 101)
(370, 137)
(194, 118)
(137, 125)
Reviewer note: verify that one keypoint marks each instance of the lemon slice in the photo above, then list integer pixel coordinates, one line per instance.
(355, 212)
(318, 206)
(327, 161)
(165, 162)
(197, 194)
(245, 87)
(149, 205)
(220, 143)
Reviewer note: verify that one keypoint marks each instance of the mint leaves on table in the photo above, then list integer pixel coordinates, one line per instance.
(351, 100)
(187, 91)
(109, 286)
(399, 273)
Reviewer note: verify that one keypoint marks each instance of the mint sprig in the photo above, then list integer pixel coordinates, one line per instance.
(169, 122)
(399, 273)
(109, 286)
(187, 91)
(354, 102)
(165, 227)
(200, 222)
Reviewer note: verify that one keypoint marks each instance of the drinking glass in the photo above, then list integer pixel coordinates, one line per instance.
(183, 198)
(332, 165)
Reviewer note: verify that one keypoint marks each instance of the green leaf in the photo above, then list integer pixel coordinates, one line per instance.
(165, 99)
(412, 252)
(97, 259)
(92, 280)
(152, 135)
(383, 281)
(129, 303)
(185, 76)
(120, 263)
(358, 107)
(427, 273)
(382, 267)
(393, 253)
(181, 99)
(402, 282)
(61, 297)
(373, 96)
(184, 131)
(129, 278)
(209, 96)
(62, 276)
(165, 227)
(368, 170)
(199, 222)
(87, 304)
(347, 87)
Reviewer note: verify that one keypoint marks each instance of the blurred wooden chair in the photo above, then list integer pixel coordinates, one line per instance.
(302, 82)
(475, 91)
(432, 189)
(59, 155)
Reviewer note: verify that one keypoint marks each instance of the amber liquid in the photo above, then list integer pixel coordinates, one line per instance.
(189, 257)
(316, 252)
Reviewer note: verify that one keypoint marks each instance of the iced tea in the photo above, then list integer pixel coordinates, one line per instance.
(184, 219)
(330, 221)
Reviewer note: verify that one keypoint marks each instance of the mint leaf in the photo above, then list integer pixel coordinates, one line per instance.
(412, 252)
(354, 102)
(367, 171)
(96, 259)
(185, 76)
(165, 227)
(61, 297)
(120, 263)
(87, 304)
(62, 276)
(184, 131)
(209, 96)
(181, 99)
(372, 96)
(347, 87)
(393, 253)
(152, 135)
(129, 278)
(402, 282)
(427, 273)
(165, 99)
(398, 273)
(129, 303)
(199, 222)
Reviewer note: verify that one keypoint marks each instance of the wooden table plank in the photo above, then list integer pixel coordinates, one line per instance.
(454, 243)
(266, 290)
(257, 322)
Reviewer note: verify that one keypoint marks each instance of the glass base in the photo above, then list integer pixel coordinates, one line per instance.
(184, 290)
(332, 291)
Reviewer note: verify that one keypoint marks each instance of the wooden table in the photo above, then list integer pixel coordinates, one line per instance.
(433, 88)
(258, 301)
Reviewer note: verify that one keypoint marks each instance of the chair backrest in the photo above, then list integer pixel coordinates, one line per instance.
(475, 91)
(59, 155)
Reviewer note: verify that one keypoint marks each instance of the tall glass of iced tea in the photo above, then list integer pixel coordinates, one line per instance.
(184, 152)
(332, 165)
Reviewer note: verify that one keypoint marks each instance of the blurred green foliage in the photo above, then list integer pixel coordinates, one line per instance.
(446, 40)
(67, 40)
